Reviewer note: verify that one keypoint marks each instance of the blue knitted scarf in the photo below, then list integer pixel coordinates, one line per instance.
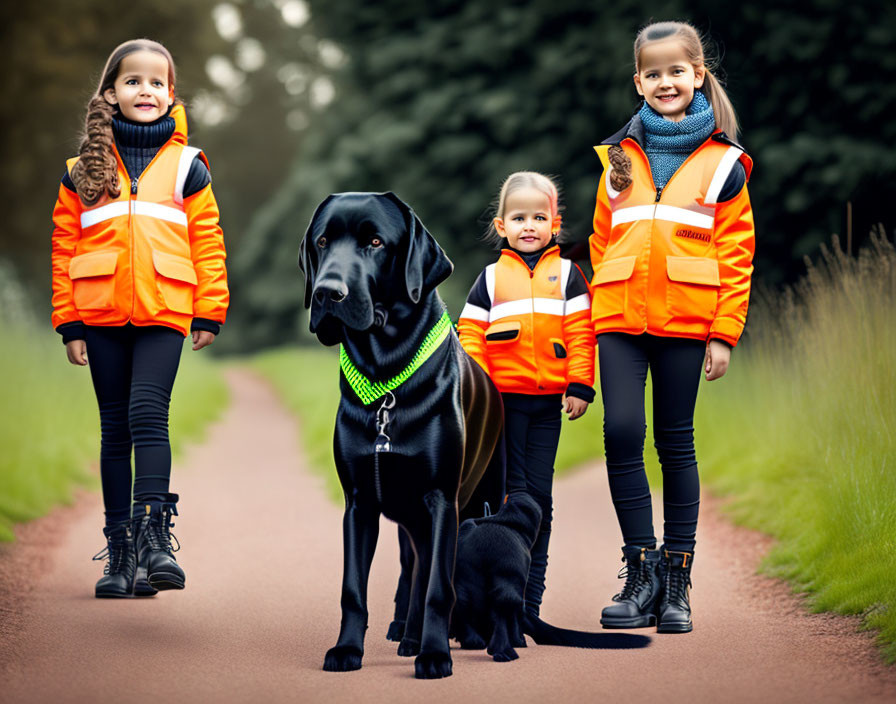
(668, 143)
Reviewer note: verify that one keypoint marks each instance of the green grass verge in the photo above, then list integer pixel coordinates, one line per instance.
(49, 428)
(307, 381)
(801, 434)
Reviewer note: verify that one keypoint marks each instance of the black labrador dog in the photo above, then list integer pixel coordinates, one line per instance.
(493, 558)
(414, 440)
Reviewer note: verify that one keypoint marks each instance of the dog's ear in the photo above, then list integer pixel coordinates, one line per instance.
(308, 259)
(426, 265)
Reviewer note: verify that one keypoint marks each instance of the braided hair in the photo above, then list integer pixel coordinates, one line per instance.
(621, 171)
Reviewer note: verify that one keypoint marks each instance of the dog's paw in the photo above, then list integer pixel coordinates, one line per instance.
(408, 647)
(396, 631)
(472, 641)
(432, 666)
(506, 655)
(343, 658)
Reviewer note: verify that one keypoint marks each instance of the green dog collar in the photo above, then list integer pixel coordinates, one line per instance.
(369, 391)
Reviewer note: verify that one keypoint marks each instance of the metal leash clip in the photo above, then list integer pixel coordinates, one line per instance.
(383, 442)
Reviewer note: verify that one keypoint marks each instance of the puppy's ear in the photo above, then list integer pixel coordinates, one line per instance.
(308, 259)
(426, 265)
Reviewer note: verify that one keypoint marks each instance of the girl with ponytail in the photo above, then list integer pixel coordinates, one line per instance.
(138, 264)
(672, 253)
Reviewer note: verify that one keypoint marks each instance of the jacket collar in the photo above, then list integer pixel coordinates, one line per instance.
(529, 258)
(180, 124)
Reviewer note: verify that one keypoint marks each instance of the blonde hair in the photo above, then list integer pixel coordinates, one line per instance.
(524, 179)
(693, 44)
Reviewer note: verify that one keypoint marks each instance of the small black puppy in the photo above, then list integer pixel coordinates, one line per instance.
(493, 557)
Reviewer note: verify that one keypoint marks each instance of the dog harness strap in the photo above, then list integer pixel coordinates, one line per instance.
(369, 391)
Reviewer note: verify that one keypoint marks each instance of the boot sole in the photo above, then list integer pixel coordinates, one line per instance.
(112, 595)
(675, 628)
(640, 622)
(163, 581)
(144, 588)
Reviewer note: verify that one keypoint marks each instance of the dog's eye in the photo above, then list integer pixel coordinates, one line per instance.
(322, 242)
(376, 242)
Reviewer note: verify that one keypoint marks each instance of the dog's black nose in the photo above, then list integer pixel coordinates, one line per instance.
(336, 291)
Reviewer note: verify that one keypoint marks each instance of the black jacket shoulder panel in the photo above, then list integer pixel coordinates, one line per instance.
(725, 139)
(478, 295)
(67, 182)
(577, 284)
(735, 182)
(198, 177)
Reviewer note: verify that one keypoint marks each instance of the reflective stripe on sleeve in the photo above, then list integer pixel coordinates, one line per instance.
(611, 192)
(579, 303)
(474, 313)
(721, 175)
(183, 169)
(565, 265)
(490, 282)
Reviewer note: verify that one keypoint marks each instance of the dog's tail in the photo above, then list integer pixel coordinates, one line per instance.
(546, 634)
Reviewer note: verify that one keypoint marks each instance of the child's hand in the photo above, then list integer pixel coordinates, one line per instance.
(718, 355)
(76, 350)
(202, 338)
(574, 406)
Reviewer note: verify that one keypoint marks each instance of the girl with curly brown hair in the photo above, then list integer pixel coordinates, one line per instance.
(138, 264)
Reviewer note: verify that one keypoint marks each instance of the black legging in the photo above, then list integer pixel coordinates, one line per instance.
(675, 365)
(133, 370)
(532, 433)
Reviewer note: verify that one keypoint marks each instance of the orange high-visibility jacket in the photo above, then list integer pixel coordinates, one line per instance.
(150, 256)
(527, 335)
(673, 262)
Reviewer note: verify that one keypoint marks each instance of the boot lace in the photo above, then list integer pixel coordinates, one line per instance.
(677, 581)
(158, 534)
(636, 579)
(114, 553)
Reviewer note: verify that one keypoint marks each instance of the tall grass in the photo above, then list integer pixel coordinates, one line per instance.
(49, 424)
(802, 433)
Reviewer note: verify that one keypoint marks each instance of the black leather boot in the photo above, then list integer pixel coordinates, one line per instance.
(118, 575)
(636, 604)
(152, 538)
(675, 605)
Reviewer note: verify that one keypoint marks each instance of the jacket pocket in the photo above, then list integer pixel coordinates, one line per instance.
(692, 292)
(93, 279)
(176, 281)
(502, 332)
(609, 286)
(559, 349)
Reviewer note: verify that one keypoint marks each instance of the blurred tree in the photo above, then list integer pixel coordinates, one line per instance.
(440, 104)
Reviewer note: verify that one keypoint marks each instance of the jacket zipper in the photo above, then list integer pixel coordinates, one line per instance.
(135, 182)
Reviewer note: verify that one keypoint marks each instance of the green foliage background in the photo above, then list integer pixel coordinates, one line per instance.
(440, 104)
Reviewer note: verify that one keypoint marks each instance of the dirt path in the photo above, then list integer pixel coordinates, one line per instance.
(263, 556)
